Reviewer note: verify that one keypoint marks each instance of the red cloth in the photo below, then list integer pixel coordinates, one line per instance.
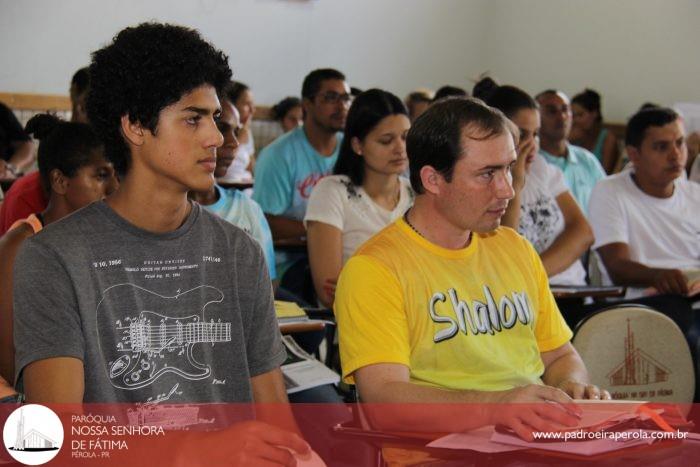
(25, 197)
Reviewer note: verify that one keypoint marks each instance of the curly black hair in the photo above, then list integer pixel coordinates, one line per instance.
(145, 69)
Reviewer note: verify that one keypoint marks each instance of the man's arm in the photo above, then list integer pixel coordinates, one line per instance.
(272, 405)
(624, 271)
(608, 215)
(283, 228)
(522, 409)
(261, 442)
(54, 380)
(565, 370)
(572, 242)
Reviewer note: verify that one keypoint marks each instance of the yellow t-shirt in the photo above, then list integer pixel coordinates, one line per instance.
(475, 318)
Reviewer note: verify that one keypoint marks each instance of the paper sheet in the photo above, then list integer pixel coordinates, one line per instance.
(475, 440)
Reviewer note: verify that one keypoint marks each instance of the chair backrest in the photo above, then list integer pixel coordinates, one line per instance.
(595, 273)
(637, 353)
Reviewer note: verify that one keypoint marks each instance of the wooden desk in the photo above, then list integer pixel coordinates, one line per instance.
(577, 291)
(303, 326)
(291, 245)
(410, 449)
(238, 184)
(318, 318)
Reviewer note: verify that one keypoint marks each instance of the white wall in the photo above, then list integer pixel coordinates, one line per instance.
(630, 50)
(273, 44)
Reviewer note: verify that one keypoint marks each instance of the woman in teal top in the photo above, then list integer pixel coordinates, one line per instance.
(587, 130)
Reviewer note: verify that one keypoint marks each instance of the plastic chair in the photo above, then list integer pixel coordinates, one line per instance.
(635, 352)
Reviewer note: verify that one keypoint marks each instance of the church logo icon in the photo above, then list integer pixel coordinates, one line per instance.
(33, 434)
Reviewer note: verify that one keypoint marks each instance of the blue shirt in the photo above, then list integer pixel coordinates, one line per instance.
(235, 207)
(286, 172)
(581, 172)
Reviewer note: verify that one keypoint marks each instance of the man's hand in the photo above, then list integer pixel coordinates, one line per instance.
(535, 408)
(243, 444)
(577, 390)
(670, 281)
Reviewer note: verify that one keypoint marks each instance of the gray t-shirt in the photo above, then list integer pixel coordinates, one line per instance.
(184, 316)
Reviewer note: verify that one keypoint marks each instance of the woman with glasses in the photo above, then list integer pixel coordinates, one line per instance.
(365, 192)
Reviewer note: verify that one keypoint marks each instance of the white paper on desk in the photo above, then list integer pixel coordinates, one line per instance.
(476, 440)
(581, 448)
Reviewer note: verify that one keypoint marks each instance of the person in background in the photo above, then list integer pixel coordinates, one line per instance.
(27, 195)
(588, 132)
(365, 193)
(542, 210)
(645, 219)
(244, 162)
(694, 164)
(289, 168)
(288, 113)
(580, 167)
(449, 91)
(79, 86)
(231, 204)
(16, 148)
(418, 102)
(75, 173)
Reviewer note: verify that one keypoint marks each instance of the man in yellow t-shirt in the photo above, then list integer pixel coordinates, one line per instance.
(446, 306)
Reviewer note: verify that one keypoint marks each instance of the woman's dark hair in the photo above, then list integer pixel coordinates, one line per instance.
(367, 110)
(484, 88)
(449, 91)
(66, 146)
(234, 90)
(589, 100)
(143, 70)
(648, 105)
(280, 109)
(507, 99)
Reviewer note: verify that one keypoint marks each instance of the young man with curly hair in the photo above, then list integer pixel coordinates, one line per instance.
(146, 296)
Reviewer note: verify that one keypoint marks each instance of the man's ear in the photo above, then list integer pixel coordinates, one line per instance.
(632, 153)
(431, 179)
(133, 132)
(306, 104)
(356, 145)
(59, 182)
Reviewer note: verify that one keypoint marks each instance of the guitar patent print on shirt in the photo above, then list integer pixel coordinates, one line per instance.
(143, 337)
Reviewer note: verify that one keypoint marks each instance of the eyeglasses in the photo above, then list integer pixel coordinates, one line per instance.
(334, 98)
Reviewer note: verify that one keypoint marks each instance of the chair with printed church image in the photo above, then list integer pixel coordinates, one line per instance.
(636, 353)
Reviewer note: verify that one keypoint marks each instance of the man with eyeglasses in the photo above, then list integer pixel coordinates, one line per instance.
(289, 168)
